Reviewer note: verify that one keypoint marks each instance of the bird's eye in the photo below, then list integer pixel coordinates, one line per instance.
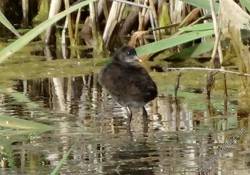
(131, 52)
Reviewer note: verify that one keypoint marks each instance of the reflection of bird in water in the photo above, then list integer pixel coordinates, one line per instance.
(127, 81)
(135, 158)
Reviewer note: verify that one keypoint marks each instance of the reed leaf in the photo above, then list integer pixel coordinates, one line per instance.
(202, 4)
(194, 51)
(246, 4)
(29, 36)
(197, 27)
(17, 123)
(172, 41)
(21, 98)
(7, 24)
(62, 161)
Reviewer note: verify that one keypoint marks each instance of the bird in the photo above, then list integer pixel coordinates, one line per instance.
(127, 81)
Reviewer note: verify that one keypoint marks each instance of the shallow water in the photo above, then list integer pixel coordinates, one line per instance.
(182, 136)
(187, 135)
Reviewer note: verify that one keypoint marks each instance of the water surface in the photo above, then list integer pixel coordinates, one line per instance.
(187, 135)
(178, 139)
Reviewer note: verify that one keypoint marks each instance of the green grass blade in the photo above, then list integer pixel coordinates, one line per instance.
(194, 51)
(197, 27)
(62, 161)
(171, 42)
(201, 4)
(7, 24)
(21, 98)
(25, 39)
(246, 4)
(17, 123)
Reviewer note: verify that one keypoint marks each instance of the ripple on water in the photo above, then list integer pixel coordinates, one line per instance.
(176, 140)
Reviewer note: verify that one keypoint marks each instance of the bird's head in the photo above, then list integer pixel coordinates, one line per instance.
(126, 55)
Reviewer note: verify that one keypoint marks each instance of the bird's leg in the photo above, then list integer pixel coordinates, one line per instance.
(129, 114)
(145, 120)
(144, 113)
(177, 85)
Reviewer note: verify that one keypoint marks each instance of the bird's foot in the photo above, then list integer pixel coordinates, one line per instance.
(129, 112)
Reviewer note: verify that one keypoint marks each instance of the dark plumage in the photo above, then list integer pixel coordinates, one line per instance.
(127, 81)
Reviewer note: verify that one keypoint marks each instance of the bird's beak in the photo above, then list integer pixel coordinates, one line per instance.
(138, 59)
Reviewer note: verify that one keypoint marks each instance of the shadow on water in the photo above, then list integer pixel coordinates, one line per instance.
(178, 139)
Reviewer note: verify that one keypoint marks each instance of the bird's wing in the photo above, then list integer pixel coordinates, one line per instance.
(110, 78)
(130, 84)
(143, 87)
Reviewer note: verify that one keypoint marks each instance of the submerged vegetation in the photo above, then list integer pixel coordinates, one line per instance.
(189, 45)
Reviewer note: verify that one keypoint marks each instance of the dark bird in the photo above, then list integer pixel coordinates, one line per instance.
(127, 81)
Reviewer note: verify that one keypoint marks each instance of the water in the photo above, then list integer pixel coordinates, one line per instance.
(186, 136)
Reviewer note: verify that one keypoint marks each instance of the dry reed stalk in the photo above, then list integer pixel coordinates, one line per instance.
(111, 22)
(154, 20)
(98, 42)
(217, 45)
(190, 17)
(142, 18)
(221, 70)
(176, 9)
(25, 9)
(232, 27)
(92, 12)
(63, 40)
(69, 26)
(54, 9)
(102, 7)
(77, 25)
